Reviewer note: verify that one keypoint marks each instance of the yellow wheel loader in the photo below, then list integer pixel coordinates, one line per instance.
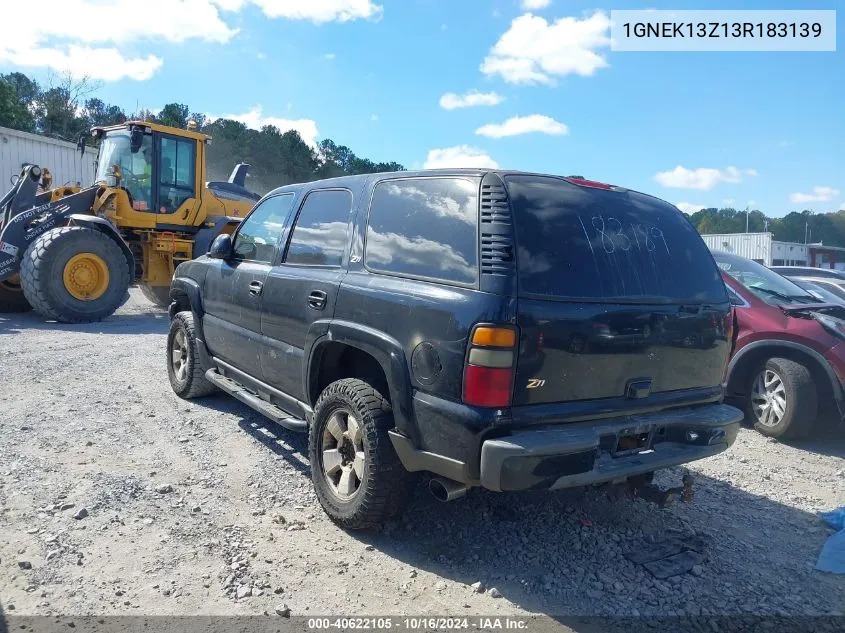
(72, 253)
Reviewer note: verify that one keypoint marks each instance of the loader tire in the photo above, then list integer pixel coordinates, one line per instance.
(74, 274)
(12, 299)
(184, 368)
(157, 295)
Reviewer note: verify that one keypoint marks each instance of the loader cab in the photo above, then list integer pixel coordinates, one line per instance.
(156, 166)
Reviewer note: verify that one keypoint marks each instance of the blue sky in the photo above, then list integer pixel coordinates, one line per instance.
(693, 128)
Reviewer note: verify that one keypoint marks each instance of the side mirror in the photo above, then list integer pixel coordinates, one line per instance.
(221, 247)
(136, 139)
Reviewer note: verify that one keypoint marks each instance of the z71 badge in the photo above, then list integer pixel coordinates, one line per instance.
(534, 383)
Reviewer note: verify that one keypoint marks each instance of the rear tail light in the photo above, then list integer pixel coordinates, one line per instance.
(488, 375)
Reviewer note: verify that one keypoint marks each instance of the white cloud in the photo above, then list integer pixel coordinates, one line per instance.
(261, 56)
(533, 5)
(689, 208)
(329, 56)
(728, 202)
(459, 156)
(452, 101)
(704, 178)
(536, 51)
(819, 194)
(842, 207)
(255, 119)
(523, 125)
(69, 42)
(317, 11)
(373, 117)
(93, 38)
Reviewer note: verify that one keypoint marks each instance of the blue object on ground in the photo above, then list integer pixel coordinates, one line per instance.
(835, 518)
(832, 556)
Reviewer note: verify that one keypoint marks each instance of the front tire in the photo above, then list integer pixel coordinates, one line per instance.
(782, 399)
(74, 274)
(184, 369)
(357, 475)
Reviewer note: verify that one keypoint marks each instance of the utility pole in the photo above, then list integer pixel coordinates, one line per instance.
(746, 218)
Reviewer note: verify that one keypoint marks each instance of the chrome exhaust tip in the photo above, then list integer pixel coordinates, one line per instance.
(446, 490)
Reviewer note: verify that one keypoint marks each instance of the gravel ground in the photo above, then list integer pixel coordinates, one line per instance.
(117, 497)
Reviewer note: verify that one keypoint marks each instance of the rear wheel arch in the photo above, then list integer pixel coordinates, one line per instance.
(386, 352)
(332, 361)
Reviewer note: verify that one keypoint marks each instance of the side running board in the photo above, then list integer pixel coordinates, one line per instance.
(268, 409)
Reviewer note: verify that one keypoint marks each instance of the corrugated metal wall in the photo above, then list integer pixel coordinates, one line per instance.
(60, 157)
(757, 246)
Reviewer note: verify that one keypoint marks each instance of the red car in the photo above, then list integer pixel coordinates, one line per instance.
(788, 361)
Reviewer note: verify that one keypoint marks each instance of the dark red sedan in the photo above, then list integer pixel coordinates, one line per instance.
(788, 362)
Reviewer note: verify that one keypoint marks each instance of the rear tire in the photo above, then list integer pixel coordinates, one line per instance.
(48, 279)
(357, 475)
(184, 369)
(782, 401)
(157, 295)
(12, 298)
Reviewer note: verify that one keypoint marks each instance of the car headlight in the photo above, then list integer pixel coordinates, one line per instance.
(831, 324)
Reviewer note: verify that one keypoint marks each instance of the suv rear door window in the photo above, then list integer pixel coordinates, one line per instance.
(592, 244)
(320, 235)
(425, 227)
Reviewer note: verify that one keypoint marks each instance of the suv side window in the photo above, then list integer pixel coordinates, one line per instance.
(424, 227)
(258, 236)
(322, 229)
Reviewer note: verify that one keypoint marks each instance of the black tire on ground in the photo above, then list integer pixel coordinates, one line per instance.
(788, 394)
(12, 298)
(43, 267)
(158, 295)
(384, 488)
(186, 373)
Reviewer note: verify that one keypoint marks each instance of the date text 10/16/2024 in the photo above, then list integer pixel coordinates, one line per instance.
(483, 623)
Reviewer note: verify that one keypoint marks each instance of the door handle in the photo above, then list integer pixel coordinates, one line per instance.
(317, 299)
(255, 288)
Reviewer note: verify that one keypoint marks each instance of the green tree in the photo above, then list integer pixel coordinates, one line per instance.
(174, 115)
(13, 113)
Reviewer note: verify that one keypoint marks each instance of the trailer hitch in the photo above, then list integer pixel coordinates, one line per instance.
(648, 491)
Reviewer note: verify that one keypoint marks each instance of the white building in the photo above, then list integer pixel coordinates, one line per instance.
(760, 247)
(65, 163)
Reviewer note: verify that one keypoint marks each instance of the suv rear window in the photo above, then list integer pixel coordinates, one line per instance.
(593, 244)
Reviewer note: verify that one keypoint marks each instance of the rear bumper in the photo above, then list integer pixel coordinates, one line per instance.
(584, 453)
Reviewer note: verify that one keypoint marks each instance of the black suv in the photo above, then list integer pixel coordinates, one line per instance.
(499, 329)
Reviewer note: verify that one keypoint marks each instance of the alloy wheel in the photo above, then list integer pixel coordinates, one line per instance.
(768, 398)
(343, 457)
(179, 355)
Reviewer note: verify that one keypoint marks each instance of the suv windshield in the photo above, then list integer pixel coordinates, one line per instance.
(766, 284)
(592, 244)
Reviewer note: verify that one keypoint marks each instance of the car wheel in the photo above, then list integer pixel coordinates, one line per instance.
(782, 400)
(357, 475)
(186, 373)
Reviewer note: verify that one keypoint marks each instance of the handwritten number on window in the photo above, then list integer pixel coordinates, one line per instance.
(613, 235)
